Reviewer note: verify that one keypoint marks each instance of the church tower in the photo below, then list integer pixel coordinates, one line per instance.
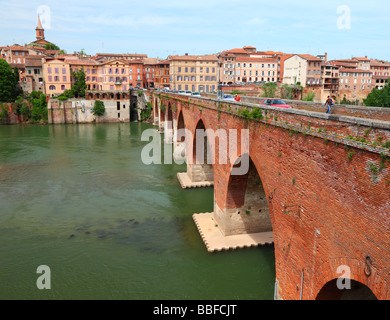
(40, 31)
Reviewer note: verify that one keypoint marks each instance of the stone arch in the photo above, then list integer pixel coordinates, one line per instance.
(246, 204)
(180, 126)
(170, 117)
(330, 270)
(355, 291)
(199, 158)
(155, 107)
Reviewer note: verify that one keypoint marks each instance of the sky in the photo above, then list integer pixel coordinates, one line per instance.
(342, 28)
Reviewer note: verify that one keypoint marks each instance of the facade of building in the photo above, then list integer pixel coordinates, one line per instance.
(380, 73)
(355, 84)
(57, 76)
(330, 81)
(194, 73)
(304, 69)
(34, 78)
(162, 79)
(250, 69)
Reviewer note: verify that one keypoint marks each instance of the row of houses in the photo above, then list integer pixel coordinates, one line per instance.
(50, 71)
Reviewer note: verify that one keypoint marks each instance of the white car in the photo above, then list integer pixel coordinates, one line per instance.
(182, 92)
(196, 94)
(228, 97)
(188, 93)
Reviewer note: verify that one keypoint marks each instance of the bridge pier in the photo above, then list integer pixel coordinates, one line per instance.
(197, 176)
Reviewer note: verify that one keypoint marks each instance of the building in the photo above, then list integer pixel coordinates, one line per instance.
(303, 69)
(57, 76)
(162, 78)
(40, 35)
(150, 69)
(195, 73)
(355, 84)
(104, 57)
(380, 73)
(34, 78)
(330, 81)
(250, 69)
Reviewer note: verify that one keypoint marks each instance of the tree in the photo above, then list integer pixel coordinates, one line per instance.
(79, 86)
(99, 108)
(39, 107)
(51, 46)
(269, 89)
(9, 82)
(379, 98)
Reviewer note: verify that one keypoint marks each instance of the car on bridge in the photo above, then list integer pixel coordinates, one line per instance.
(196, 94)
(275, 103)
(228, 97)
(182, 92)
(188, 93)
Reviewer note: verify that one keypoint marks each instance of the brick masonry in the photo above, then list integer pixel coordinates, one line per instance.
(326, 184)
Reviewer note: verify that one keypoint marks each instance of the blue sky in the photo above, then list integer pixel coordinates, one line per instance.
(342, 28)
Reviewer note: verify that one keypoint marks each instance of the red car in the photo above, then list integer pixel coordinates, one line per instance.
(275, 103)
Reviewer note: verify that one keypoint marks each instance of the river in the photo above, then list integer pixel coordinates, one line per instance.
(78, 199)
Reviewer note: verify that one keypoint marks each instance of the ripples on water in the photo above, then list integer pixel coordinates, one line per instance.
(78, 199)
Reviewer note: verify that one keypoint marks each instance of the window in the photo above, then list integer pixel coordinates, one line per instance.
(63, 87)
(52, 88)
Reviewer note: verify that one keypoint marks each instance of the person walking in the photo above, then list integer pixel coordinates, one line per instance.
(328, 104)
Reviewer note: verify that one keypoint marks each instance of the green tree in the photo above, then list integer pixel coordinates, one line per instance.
(79, 86)
(99, 108)
(9, 82)
(4, 113)
(379, 98)
(269, 89)
(39, 107)
(51, 46)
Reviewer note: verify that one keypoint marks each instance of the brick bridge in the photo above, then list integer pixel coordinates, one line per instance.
(319, 183)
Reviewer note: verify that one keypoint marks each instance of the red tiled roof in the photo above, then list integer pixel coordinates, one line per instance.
(309, 57)
(211, 57)
(256, 59)
(82, 62)
(354, 70)
(237, 50)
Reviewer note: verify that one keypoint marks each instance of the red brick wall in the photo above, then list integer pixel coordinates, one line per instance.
(328, 206)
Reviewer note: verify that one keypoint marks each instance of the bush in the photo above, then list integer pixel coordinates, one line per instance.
(4, 114)
(309, 97)
(25, 111)
(99, 108)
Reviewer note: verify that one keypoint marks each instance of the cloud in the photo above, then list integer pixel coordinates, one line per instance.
(257, 22)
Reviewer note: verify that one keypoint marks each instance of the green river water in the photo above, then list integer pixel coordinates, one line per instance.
(78, 199)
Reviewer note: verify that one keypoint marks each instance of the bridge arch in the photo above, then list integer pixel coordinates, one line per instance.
(180, 126)
(368, 285)
(356, 291)
(246, 208)
(200, 164)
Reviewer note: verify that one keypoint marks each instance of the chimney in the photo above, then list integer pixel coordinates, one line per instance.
(186, 54)
(326, 56)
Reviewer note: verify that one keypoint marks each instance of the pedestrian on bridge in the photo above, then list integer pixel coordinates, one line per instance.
(328, 104)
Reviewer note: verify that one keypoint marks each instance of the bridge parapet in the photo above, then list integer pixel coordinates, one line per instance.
(362, 133)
